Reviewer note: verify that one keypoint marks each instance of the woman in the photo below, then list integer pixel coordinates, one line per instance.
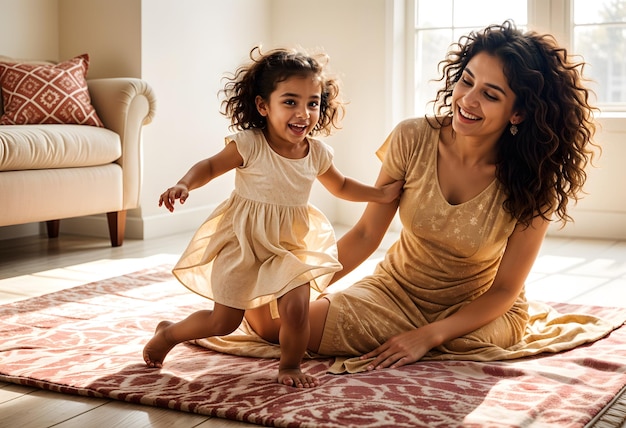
(484, 177)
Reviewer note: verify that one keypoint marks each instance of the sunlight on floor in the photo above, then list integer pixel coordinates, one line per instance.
(561, 274)
(25, 286)
(590, 272)
(551, 264)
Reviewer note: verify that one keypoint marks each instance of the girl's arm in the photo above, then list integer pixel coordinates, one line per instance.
(352, 190)
(365, 236)
(201, 173)
(519, 256)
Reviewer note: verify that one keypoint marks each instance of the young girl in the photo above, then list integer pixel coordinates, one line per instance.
(266, 244)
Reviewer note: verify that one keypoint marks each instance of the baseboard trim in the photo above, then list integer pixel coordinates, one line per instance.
(146, 227)
(588, 225)
(177, 222)
(20, 231)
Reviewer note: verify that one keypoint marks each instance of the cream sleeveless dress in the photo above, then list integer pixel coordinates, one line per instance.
(266, 239)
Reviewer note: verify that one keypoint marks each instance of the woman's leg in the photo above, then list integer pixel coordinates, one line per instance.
(262, 323)
(222, 320)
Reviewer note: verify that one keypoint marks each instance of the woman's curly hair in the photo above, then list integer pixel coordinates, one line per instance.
(542, 167)
(264, 72)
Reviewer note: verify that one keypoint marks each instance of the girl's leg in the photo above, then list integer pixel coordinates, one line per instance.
(222, 320)
(293, 337)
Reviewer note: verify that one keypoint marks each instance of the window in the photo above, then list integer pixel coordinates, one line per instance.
(440, 23)
(599, 35)
(594, 29)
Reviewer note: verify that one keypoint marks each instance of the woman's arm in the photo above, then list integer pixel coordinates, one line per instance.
(352, 190)
(365, 236)
(201, 173)
(517, 261)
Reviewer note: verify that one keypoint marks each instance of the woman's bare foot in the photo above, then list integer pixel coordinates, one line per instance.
(157, 348)
(297, 379)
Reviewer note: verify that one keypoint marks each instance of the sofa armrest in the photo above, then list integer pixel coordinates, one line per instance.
(124, 105)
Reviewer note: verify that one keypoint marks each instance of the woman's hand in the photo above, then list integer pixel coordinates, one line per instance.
(168, 197)
(402, 349)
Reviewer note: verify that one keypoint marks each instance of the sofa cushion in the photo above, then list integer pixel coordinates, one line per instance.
(56, 146)
(36, 93)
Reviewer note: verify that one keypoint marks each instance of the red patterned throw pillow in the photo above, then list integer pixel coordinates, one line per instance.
(47, 93)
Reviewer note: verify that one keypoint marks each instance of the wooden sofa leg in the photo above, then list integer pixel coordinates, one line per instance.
(117, 226)
(53, 228)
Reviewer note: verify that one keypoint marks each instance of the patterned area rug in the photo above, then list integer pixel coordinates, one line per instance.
(87, 340)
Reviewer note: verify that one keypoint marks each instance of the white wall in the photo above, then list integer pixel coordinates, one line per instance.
(36, 39)
(601, 213)
(110, 31)
(183, 52)
(354, 36)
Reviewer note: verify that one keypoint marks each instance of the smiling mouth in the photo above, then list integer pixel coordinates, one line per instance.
(298, 128)
(467, 115)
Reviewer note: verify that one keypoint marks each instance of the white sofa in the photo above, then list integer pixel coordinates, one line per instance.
(55, 171)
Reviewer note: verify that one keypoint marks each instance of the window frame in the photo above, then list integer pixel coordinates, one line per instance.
(545, 16)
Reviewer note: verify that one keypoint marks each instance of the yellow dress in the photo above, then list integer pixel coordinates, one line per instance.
(266, 239)
(446, 256)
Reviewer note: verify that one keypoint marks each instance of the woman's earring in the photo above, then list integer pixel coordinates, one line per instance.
(513, 129)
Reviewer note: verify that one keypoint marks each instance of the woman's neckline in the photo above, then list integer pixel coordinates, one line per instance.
(435, 154)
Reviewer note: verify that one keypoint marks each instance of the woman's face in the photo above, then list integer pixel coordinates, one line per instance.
(482, 100)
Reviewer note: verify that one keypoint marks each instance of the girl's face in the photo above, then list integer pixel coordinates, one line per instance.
(293, 109)
(482, 100)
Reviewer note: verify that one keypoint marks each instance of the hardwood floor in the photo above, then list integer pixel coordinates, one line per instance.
(36, 265)
(567, 270)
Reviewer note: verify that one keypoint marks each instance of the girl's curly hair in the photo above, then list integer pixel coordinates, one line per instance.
(542, 167)
(264, 72)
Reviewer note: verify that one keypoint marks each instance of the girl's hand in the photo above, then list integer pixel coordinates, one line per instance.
(391, 191)
(168, 197)
(400, 350)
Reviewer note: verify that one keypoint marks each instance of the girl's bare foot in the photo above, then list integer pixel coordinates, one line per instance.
(295, 378)
(157, 348)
